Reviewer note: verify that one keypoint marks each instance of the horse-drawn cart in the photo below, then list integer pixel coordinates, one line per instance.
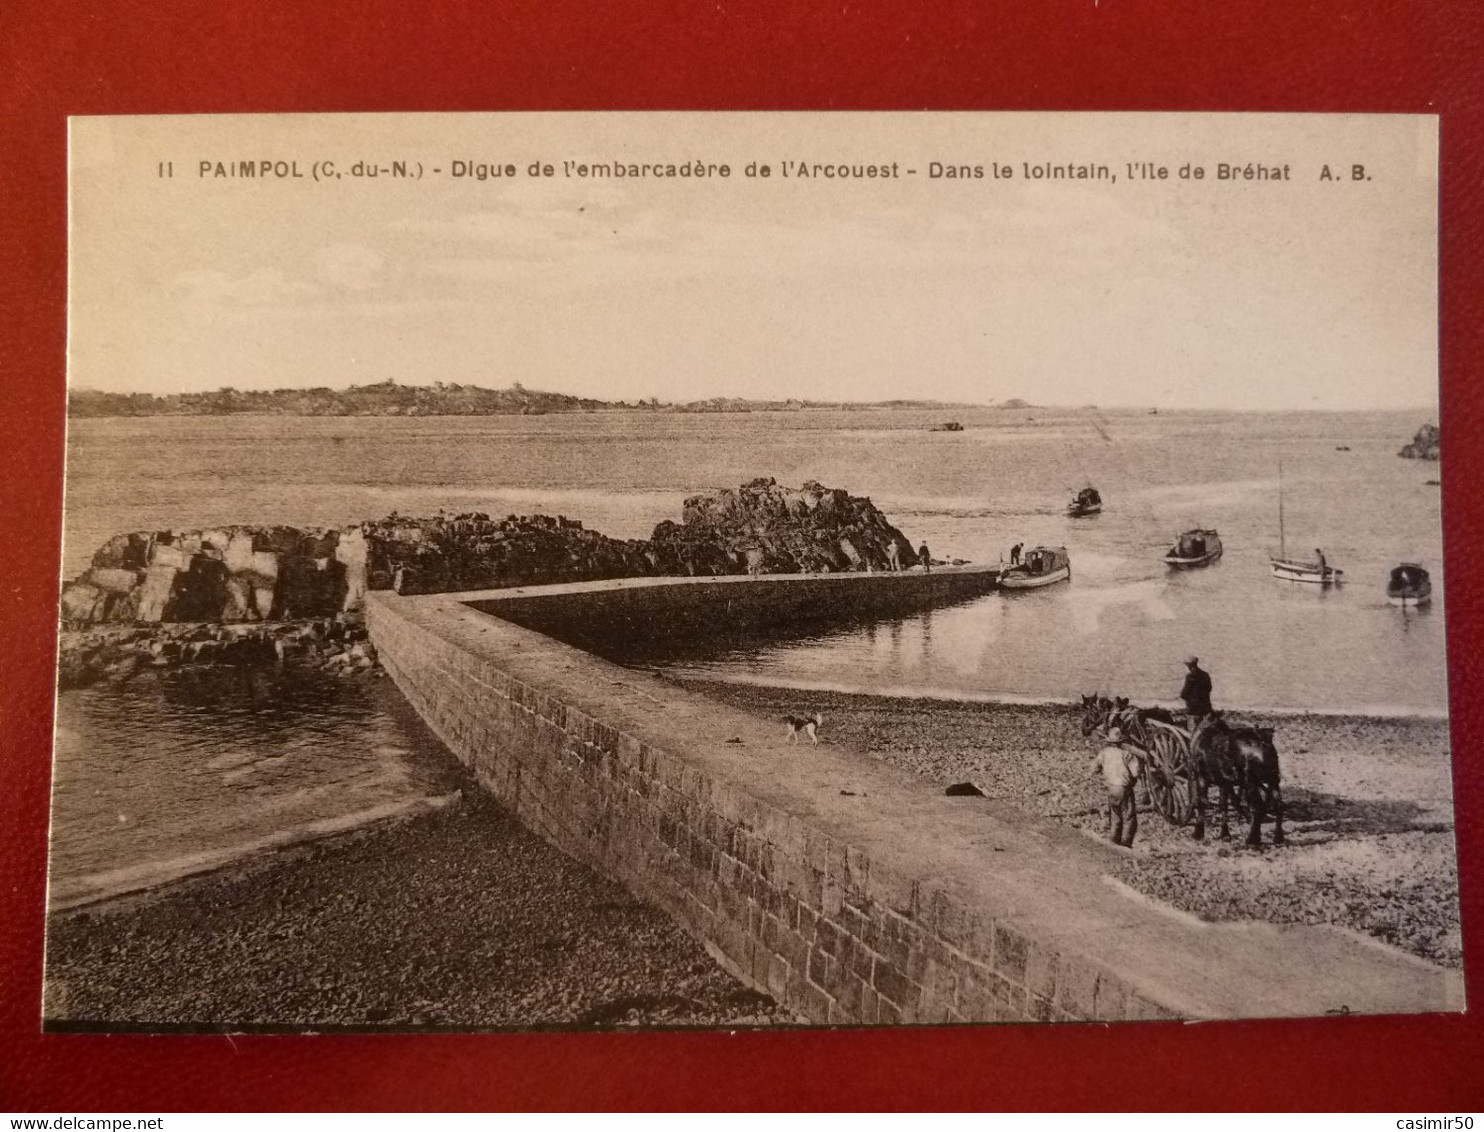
(1241, 761)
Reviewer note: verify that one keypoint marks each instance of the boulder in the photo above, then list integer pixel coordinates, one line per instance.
(155, 592)
(128, 552)
(350, 552)
(168, 554)
(237, 602)
(82, 603)
(114, 579)
(238, 552)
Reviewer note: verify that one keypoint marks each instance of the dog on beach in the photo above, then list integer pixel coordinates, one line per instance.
(802, 725)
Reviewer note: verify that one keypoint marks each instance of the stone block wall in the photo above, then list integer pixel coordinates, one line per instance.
(631, 610)
(852, 892)
(837, 932)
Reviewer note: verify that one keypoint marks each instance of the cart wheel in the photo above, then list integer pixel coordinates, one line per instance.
(1169, 778)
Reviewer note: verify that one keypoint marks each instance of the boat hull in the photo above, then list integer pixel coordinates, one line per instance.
(1035, 581)
(1410, 599)
(1306, 572)
(1176, 563)
(1076, 512)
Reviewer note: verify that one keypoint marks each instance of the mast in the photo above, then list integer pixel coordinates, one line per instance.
(1282, 536)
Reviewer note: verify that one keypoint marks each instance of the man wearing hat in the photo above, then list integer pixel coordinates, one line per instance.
(1197, 691)
(1121, 767)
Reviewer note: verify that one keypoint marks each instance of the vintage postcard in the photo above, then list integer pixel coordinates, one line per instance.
(714, 570)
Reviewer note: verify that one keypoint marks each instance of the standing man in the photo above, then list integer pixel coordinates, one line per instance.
(1196, 692)
(925, 558)
(1015, 554)
(1121, 767)
(1323, 564)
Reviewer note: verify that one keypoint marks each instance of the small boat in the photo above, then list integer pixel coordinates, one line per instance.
(1409, 585)
(1317, 571)
(947, 426)
(1086, 502)
(1197, 547)
(1043, 566)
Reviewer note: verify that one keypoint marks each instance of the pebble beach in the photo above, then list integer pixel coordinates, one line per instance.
(1369, 810)
(457, 920)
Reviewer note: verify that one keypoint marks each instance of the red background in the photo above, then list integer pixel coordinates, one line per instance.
(62, 58)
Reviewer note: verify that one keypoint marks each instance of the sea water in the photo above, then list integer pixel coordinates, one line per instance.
(1122, 625)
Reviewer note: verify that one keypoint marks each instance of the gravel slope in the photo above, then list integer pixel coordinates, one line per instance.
(1369, 807)
(458, 919)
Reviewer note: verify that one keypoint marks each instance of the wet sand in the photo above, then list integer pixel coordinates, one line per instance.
(1369, 809)
(458, 919)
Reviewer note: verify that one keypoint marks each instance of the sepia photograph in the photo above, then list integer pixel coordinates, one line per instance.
(735, 570)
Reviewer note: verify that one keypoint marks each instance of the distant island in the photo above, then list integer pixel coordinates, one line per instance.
(1426, 445)
(389, 399)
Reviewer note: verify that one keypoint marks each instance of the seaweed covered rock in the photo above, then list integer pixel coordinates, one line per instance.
(1426, 445)
(764, 528)
(118, 653)
(473, 551)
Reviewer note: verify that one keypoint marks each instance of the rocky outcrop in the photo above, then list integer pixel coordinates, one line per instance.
(473, 551)
(223, 575)
(118, 653)
(764, 528)
(259, 575)
(1426, 445)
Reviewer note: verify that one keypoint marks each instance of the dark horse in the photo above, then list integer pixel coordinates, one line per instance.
(1100, 713)
(1242, 763)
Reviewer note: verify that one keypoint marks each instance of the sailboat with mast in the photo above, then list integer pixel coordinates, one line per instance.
(1316, 572)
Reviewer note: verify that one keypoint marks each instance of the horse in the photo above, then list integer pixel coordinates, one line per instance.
(1096, 710)
(1242, 763)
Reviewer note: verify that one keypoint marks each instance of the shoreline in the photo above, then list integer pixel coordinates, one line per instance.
(951, 698)
(474, 924)
(92, 890)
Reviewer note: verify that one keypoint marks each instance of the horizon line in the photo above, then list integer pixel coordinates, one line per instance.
(1434, 408)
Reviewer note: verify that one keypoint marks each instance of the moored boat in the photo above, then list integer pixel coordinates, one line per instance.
(1199, 547)
(1316, 571)
(1319, 573)
(1409, 585)
(1085, 502)
(1043, 566)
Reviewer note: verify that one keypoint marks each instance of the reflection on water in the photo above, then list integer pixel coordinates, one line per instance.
(1050, 645)
(205, 760)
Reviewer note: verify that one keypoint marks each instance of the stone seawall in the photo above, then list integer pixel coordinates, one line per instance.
(850, 891)
(667, 607)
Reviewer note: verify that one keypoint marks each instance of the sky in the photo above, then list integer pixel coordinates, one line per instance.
(1300, 293)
